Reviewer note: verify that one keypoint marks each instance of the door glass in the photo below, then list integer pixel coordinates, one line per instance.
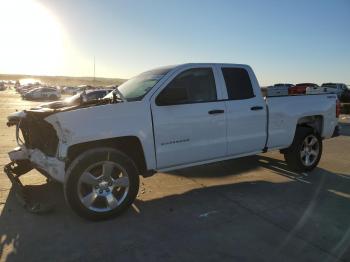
(237, 83)
(191, 86)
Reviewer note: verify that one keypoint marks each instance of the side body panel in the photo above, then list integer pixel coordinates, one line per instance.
(103, 122)
(284, 113)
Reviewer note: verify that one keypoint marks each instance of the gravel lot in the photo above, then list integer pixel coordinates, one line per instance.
(249, 209)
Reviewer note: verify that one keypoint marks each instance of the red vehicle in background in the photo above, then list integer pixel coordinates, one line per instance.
(300, 88)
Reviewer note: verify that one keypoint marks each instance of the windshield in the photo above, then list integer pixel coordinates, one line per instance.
(137, 87)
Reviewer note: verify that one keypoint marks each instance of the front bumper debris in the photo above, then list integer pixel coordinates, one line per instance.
(14, 170)
(49, 166)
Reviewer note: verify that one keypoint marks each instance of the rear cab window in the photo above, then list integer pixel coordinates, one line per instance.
(238, 83)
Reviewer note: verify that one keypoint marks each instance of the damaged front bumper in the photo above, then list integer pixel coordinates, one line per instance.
(38, 143)
(24, 160)
(37, 149)
(14, 170)
(48, 166)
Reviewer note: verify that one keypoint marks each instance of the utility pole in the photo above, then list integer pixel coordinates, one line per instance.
(94, 70)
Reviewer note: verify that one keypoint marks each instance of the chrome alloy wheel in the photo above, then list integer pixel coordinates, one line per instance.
(103, 186)
(310, 150)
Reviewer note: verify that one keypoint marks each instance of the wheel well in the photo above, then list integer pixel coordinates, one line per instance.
(315, 122)
(130, 145)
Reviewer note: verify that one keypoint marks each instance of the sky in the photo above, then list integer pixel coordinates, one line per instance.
(283, 41)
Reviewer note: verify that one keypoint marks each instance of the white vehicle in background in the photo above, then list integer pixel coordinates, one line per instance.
(336, 88)
(165, 119)
(42, 93)
(314, 90)
(278, 90)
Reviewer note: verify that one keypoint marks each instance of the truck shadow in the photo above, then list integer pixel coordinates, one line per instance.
(306, 218)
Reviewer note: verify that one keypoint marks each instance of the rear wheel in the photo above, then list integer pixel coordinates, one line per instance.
(306, 150)
(101, 183)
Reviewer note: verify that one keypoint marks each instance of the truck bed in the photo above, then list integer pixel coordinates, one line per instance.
(284, 112)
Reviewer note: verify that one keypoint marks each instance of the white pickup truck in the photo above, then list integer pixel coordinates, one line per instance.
(164, 119)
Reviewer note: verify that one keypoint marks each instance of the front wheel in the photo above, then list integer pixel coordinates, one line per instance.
(306, 150)
(101, 183)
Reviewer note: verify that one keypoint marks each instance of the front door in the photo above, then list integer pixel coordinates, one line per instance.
(189, 121)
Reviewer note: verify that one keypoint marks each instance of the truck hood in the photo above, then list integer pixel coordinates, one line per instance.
(53, 105)
(43, 112)
(16, 117)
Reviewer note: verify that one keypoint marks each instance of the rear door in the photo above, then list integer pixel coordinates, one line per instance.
(189, 118)
(246, 112)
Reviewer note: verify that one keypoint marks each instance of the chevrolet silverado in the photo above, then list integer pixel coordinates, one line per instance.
(165, 119)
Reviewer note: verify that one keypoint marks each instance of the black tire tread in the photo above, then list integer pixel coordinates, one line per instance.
(77, 167)
(291, 154)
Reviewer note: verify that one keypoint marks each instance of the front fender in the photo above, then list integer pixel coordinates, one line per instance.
(104, 122)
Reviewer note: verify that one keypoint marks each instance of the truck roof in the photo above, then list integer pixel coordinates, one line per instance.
(200, 64)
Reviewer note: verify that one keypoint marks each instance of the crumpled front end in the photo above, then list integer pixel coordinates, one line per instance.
(37, 145)
(37, 134)
(38, 141)
(42, 144)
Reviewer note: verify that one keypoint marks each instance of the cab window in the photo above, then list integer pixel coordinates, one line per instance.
(195, 85)
(238, 83)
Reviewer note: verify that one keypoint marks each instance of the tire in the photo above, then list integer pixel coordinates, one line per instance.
(101, 183)
(305, 152)
(53, 97)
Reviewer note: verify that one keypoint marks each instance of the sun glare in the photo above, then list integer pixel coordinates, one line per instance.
(32, 40)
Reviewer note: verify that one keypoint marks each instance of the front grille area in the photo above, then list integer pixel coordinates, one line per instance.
(39, 134)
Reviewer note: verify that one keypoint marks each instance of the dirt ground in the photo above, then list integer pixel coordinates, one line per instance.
(249, 209)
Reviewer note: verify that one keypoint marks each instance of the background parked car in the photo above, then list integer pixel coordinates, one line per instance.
(69, 90)
(283, 85)
(313, 90)
(2, 86)
(84, 88)
(339, 88)
(300, 88)
(42, 93)
(17, 84)
(25, 89)
(96, 94)
(345, 96)
(22, 89)
(278, 90)
(76, 99)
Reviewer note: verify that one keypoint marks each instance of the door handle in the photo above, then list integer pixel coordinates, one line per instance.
(254, 108)
(216, 111)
